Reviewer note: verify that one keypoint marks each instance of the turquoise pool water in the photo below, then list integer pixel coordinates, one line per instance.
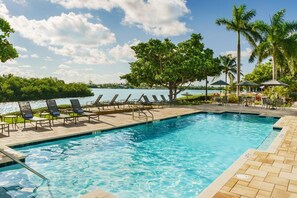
(172, 158)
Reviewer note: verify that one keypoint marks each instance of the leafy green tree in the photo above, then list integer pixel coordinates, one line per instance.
(240, 23)
(162, 63)
(279, 41)
(7, 51)
(261, 73)
(210, 68)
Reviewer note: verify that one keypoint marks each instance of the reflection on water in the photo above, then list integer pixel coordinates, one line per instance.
(107, 95)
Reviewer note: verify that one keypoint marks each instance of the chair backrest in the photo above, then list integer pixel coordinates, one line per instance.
(163, 98)
(146, 100)
(97, 101)
(127, 99)
(114, 99)
(139, 100)
(155, 98)
(279, 102)
(26, 109)
(264, 100)
(52, 107)
(76, 107)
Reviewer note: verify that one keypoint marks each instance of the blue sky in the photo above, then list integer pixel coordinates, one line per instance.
(78, 41)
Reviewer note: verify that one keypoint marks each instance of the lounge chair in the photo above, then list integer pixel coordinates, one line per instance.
(55, 113)
(76, 107)
(27, 114)
(112, 102)
(156, 101)
(164, 100)
(95, 103)
(266, 103)
(147, 102)
(135, 102)
(279, 103)
(4, 125)
(124, 102)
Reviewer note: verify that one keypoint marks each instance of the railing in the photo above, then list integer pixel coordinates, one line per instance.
(140, 111)
(22, 164)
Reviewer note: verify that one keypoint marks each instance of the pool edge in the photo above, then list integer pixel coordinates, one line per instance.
(221, 180)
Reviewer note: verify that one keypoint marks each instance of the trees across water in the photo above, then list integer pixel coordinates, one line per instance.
(13, 88)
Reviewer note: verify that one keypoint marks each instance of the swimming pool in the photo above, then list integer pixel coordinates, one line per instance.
(171, 158)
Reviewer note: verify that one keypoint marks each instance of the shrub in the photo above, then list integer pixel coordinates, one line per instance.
(233, 98)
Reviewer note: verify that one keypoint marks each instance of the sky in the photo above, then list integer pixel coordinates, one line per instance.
(89, 40)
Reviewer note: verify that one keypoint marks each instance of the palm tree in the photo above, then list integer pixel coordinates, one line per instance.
(241, 24)
(228, 66)
(279, 41)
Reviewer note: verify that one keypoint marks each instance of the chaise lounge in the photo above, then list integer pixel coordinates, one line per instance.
(27, 114)
(55, 113)
(76, 107)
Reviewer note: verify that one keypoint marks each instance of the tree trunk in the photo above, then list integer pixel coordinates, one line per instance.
(226, 82)
(274, 70)
(170, 93)
(238, 63)
(206, 82)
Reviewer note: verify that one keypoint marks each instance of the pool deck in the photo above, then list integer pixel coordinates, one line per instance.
(271, 173)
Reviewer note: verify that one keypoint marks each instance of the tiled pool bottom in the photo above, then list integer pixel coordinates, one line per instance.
(173, 158)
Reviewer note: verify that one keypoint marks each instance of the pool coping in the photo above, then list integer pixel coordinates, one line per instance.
(215, 186)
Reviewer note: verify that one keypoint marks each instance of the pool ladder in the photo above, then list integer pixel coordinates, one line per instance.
(22, 164)
(140, 111)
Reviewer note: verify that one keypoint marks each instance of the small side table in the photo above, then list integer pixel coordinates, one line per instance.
(13, 118)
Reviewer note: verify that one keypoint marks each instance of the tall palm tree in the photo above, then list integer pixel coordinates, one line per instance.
(228, 66)
(241, 24)
(279, 41)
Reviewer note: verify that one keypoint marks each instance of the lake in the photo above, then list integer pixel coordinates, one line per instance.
(7, 107)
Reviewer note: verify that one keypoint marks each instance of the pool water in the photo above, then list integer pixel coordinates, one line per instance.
(172, 158)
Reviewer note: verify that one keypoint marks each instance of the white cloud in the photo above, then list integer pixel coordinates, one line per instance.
(20, 49)
(4, 13)
(90, 4)
(244, 54)
(84, 75)
(11, 62)
(47, 58)
(23, 72)
(124, 53)
(156, 17)
(34, 56)
(25, 66)
(20, 1)
(43, 67)
(23, 56)
(62, 66)
(70, 35)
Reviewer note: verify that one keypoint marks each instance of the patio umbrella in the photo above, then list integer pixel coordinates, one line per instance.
(274, 83)
(220, 82)
(247, 83)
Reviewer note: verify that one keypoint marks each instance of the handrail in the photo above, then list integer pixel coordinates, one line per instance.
(140, 110)
(151, 114)
(22, 164)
